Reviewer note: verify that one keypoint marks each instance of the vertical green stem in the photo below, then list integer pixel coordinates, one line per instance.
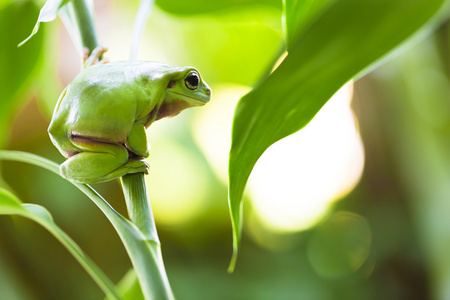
(145, 7)
(85, 24)
(151, 272)
(140, 212)
(138, 204)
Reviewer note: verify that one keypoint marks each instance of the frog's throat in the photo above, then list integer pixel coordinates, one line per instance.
(167, 110)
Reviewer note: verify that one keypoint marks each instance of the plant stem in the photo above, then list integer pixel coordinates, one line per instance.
(151, 273)
(84, 20)
(140, 212)
(145, 7)
(144, 252)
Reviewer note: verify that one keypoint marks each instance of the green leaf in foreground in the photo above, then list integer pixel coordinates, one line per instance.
(48, 13)
(342, 42)
(298, 14)
(11, 205)
(144, 252)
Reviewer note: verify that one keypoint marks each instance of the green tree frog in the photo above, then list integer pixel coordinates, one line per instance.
(100, 119)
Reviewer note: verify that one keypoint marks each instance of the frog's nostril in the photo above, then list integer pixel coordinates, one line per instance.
(208, 91)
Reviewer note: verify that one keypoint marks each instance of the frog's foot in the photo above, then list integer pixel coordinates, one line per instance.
(132, 166)
(85, 54)
(136, 165)
(93, 58)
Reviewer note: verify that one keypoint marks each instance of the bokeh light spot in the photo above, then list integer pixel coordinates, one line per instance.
(177, 183)
(212, 127)
(297, 179)
(340, 245)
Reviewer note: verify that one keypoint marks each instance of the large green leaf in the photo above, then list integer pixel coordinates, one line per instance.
(298, 14)
(11, 205)
(339, 43)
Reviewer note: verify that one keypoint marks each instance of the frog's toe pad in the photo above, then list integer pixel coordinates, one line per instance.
(137, 165)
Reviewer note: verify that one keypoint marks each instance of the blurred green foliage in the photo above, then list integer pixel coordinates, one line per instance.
(401, 203)
(204, 6)
(19, 65)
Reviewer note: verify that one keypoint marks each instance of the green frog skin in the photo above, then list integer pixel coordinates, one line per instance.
(100, 119)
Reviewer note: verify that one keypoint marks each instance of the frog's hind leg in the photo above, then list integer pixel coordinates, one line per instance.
(99, 161)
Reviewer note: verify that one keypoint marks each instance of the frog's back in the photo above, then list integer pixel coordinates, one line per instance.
(101, 102)
(120, 73)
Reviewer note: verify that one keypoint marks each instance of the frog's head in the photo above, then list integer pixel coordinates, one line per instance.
(185, 89)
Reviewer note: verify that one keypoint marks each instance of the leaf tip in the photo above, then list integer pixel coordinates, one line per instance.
(236, 238)
(232, 264)
(236, 224)
(24, 41)
(35, 29)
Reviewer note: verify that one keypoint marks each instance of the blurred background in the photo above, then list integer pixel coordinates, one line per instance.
(355, 206)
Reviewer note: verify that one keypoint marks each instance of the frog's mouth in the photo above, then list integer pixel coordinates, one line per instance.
(201, 100)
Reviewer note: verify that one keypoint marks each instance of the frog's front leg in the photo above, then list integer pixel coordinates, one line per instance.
(92, 59)
(99, 161)
(137, 140)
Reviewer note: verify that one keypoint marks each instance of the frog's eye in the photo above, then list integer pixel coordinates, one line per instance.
(192, 81)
